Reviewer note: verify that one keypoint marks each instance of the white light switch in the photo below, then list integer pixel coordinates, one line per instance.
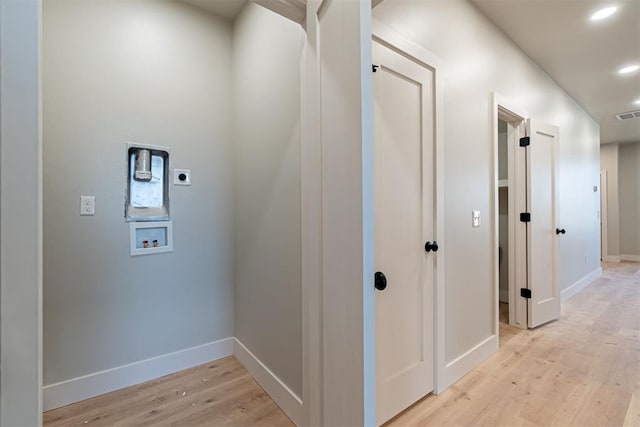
(87, 205)
(475, 219)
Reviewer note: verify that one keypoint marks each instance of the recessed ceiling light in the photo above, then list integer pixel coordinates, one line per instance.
(629, 69)
(603, 13)
(636, 102)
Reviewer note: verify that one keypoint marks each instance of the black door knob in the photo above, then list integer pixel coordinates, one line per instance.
(380, 281)
(560, 231)
(431, 246)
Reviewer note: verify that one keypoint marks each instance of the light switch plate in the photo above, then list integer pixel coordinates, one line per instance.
(475, 222)
(87, 205)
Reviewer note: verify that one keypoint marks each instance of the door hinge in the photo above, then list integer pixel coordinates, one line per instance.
(525, 293)
(525, 217)
(525, 141)
(374, 67)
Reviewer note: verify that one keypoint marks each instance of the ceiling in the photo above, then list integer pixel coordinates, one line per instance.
(228, 9)
(582, 56)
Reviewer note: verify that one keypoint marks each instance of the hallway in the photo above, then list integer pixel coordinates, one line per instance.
(583, 370)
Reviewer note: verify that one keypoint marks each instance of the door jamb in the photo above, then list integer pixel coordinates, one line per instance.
(311, 220)
(397, 42)
(604, 215)
(516, 119)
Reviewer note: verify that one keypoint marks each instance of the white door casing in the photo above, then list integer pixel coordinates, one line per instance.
(604, 242)
(542, 240)
(404, 221)
(504, 109)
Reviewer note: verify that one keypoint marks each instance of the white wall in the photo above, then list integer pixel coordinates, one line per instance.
(629, 199)
(266, 68)
(20, 214)
(479, 59)
(153, 72)
(609, 162)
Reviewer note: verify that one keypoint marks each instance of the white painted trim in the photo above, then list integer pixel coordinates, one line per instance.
(282, 395)
(580, 284)
(295, 10)
(604, 215)
(311, 221)
(368, 217)
(394, 40)
(612, 258)
(459, 367)
(635, 258)
(98, 383)
(510, 112)
(95, 384)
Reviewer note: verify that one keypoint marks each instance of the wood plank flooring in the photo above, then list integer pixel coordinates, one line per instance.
(583, 370)
(219, 393)
(506, 331)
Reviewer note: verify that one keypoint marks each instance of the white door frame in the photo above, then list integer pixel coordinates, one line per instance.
(604, 211)
(311, 222)
(319, 382)
(395, 41)
(516, 119)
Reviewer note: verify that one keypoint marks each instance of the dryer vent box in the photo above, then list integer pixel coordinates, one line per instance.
(147, 197)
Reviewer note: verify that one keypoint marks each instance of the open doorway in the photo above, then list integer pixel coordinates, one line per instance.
(506, 331)
(510, 126)
(526, 200)
(507, 132)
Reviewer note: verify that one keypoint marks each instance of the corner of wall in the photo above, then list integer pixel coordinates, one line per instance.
(281, 394)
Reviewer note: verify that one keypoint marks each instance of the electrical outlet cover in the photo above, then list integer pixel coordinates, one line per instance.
(87, 205)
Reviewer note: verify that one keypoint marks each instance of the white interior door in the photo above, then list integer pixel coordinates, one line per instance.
(404, 222)
(542, 239)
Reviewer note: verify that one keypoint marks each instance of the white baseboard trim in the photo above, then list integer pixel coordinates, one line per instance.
(630, 258)
(611, 258)
(282, 395)
(504, 295)
(459, 367)
(580, 284)
(85, 387)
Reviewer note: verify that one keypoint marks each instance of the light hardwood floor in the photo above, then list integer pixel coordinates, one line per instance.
(219, 393)
(506, 331)
(583, 370)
